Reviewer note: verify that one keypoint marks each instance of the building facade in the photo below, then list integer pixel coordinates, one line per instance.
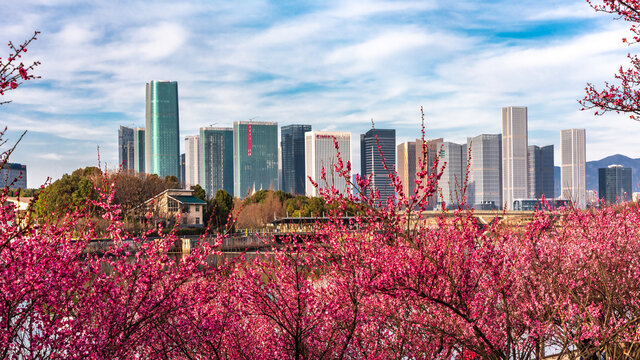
(484, 187)
(514, 155)
(292, 152)
(371, 161)
(406, 155)
(216, 160)
(138, 149)
(321, 153)
(572, 168)
(614, 184)
(255, 157)
(451, 184)
(540, 172)
(126, 153)
(191, 161)
(162, 129)
(14, 176)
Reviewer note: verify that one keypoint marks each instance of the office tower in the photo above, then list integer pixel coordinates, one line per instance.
(614, 184)
(572, 169)
(292, 146)
(182, 171)
(484, 189)
(216, 160)
(255, 156)
(407, 166)
(138, 149)
(371, 160)
(540, 172)
(191, 161)
(514, 155)
(320, 152)
(14, 176)
(451, 183)
(162, 141)
(126, 156)
(432, 149)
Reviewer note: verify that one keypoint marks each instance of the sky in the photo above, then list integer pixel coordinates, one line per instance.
(333, 64)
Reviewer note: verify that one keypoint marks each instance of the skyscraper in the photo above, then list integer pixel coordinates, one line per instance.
(572, 169)
(407, 166)
(14, 176)
(514, 155)
(451, 183)
(138, 149)
(614, 184)
(320, 152)
(182, 171)
(126, 156)
(162, 142)
(292, 145)
(540, 173)
(191, 161)
(484, 189)
(255, 156)
(371, 161)
(432, 149)
(216, 160)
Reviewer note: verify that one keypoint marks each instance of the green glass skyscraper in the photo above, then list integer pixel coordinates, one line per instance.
(138, 149)
(216, 160)
(255, 157)
(162, 146)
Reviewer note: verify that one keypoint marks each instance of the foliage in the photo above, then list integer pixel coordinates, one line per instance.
(623, 95)
(199, 192)
(13, 72)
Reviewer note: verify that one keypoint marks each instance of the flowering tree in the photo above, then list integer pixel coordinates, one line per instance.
(623, 95)
(12, 71)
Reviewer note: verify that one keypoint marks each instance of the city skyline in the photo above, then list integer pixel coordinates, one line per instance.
(335, 64)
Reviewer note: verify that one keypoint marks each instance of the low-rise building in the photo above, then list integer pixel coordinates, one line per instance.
(172, 204)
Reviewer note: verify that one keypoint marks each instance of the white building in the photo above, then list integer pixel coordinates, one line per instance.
(514, 155)
(320, 152)
(484, 189)
(453, 178)
(572, 169)
(191, 160)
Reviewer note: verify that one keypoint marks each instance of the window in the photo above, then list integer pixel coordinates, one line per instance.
(197, 208)
(197, 221)
(172, 205)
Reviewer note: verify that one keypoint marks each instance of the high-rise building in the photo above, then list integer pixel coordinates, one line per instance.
(191, 161)
(126, 154)
(453, 178)
(216, 160)
(484, 189)
(14, 176)
(514, 155)
(572, 168)
(320, 152)
(162, 140)
(182, 171)
(432, 149)
(138, 149)
(292, 145)
(615, 184)
(540, 173)
(255, 156)
(407, 166)
(371, 160)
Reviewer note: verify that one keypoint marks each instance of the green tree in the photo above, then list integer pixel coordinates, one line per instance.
(199, 192)
(219, 207)
(68, 192)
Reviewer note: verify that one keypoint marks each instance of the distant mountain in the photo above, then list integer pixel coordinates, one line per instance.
(592, 171)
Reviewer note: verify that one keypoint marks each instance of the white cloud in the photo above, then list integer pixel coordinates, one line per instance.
(50, 156)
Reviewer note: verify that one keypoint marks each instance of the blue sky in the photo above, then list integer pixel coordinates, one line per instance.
(332, 64)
